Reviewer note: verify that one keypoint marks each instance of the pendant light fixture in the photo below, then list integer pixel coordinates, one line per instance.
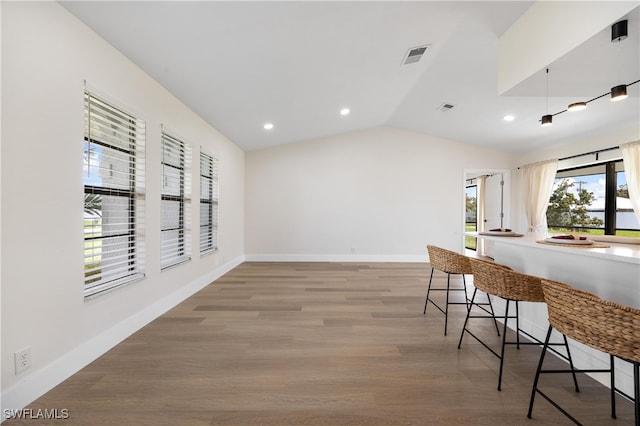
(619, 31)
(617, 93)
(577, 106)
(547, 119)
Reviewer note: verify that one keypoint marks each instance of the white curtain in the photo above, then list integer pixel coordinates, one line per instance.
(481, 182)
(481, 201)
(537, 186)
(631, 159)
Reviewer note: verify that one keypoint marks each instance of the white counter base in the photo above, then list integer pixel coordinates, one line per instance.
(611, 273)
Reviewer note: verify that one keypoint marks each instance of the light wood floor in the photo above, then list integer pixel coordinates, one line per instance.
(321, 344)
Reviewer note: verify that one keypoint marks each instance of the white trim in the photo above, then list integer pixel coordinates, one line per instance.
(336, 258)
(46, 378)
(115, 100)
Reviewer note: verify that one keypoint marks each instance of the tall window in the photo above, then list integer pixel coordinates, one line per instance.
(208, 203)
(471, 214)
(175, 202)
(593, 200)
(113, 179)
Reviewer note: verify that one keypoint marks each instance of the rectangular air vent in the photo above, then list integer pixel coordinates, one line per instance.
(445, 107)
(414, 54)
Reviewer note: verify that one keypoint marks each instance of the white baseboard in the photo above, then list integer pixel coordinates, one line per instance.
(336, 258)
(46, 378)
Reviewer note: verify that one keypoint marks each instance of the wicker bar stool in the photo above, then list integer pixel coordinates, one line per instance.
(501, 281)
(603, 325)
(452, 263)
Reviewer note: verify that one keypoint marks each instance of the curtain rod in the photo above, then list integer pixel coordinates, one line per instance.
(475, 178)
(590, 153)
(586, 153)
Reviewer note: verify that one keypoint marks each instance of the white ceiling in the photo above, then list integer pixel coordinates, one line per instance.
(296, 64)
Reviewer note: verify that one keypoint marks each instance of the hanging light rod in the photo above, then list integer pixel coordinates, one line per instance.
(547, 119)
(616, 92)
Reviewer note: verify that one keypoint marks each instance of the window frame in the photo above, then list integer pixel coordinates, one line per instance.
(471, 242)
(106, 116)
(610, 170)
(209, 229)
(183, 198)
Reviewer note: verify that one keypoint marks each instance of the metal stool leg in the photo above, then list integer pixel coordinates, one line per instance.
(504, 338)
(495, 321)
(636, 390)
(613, 386)
(517, 326)
(446, 306)
(464, 286)
(534, 390)
(428, 290)
(539, 371)
(573, 370)
(466, 320)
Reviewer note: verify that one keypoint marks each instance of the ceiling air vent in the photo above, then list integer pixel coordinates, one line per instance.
(414, 54)
(445, 107)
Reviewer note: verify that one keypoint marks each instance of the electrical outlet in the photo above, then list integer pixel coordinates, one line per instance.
(22, 359)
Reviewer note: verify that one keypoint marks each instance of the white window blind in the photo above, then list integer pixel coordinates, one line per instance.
(208, 203)
(175, 202)
(114, 196)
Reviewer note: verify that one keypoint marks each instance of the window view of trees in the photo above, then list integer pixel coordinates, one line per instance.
(93, 204)
(568, 209)
(623, 191)
(592, 200)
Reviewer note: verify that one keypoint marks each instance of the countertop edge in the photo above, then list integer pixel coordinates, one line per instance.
(629, 253)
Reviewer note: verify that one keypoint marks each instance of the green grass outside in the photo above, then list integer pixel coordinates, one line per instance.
(92, 251)
(470, 242)
(619, 233)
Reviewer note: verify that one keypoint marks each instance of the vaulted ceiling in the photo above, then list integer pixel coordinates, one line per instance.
(242, 64)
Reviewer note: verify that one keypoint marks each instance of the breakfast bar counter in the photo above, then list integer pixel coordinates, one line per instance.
(612, 273)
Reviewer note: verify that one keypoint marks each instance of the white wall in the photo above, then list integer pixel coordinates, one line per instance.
(383, 192)
(46, 55)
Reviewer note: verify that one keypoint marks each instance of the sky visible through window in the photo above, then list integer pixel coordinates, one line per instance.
(592, 183)
(91, 167)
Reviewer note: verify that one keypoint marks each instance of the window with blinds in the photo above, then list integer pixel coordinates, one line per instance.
(113, 178)
(175, 202)
(208, 203)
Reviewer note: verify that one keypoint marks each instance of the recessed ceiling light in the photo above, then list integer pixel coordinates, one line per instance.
(268, 126)
(345, 111)
(509, 117)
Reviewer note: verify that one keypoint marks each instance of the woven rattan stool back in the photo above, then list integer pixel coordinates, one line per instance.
(504, 282)
(586, 318)
(448, 261)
